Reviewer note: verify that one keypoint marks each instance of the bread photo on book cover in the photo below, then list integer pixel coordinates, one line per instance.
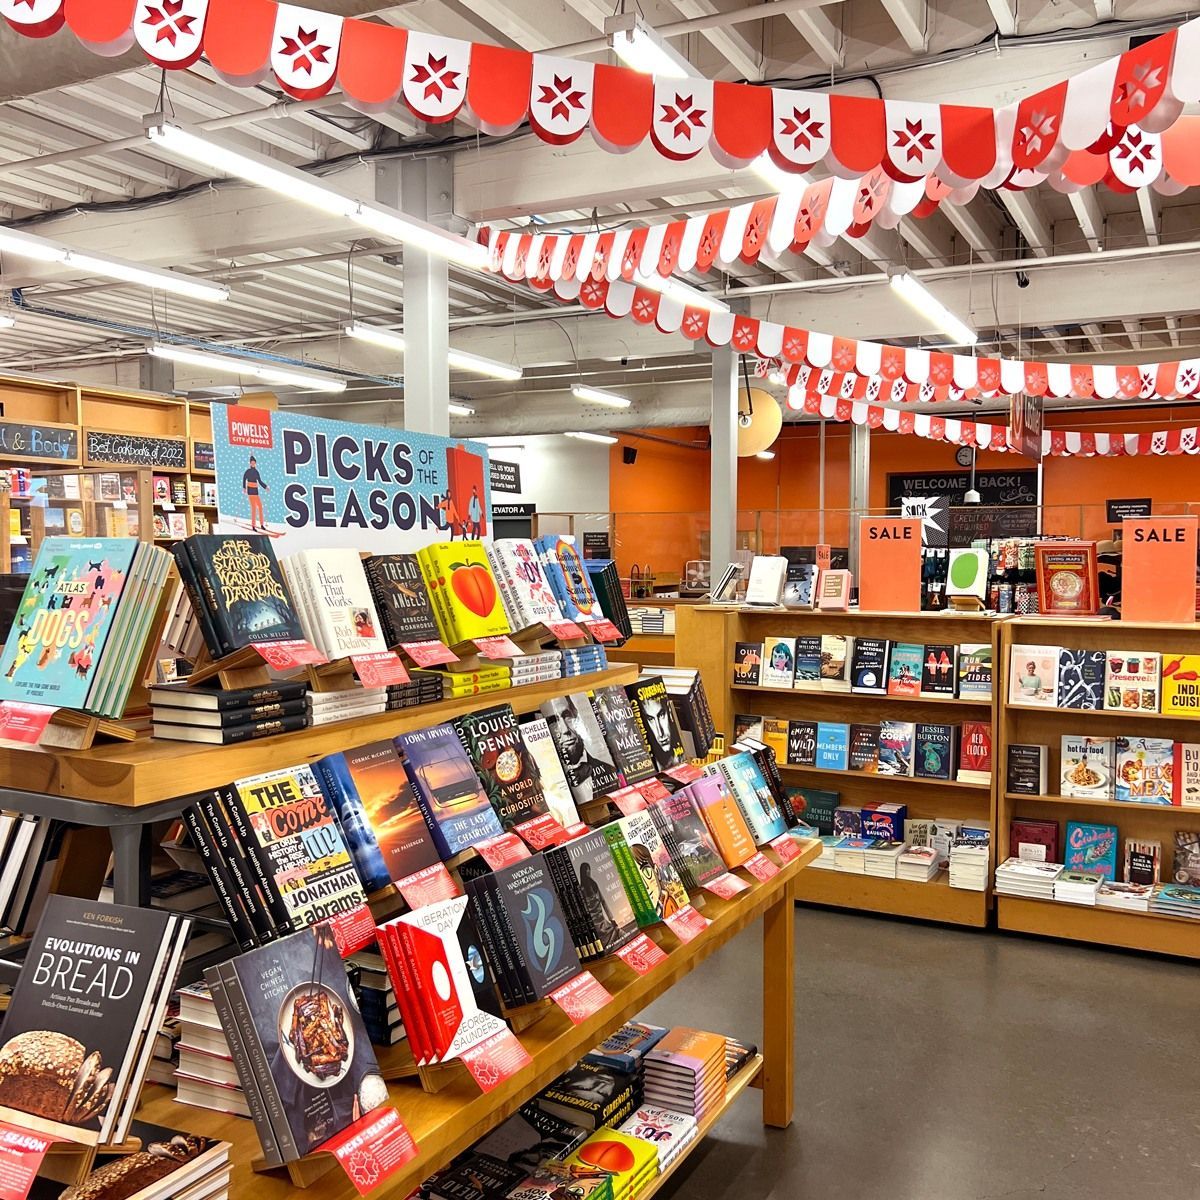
(169, 1164)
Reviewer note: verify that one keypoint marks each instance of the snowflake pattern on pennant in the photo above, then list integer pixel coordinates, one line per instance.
(694, 323)
(168, 21)
(682, 116)
(914, 138)
(644, 309)
(745, 333)
(592, 293)
(435, 75)
(560, 97)
(913, 142)
(1136, 160)
(170, 32)
(304, 51)
(27, 14)
(1040, 131)
(799, 127)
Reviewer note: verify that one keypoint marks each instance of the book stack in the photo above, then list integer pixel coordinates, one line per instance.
(1022, 877)
(850, 855)
(692, 711)
(205, 1076)
(300, 1048)
(524, 927)
(583, 660)
(440, 978)
(627, 1047)
(455, 684)
(652, 620)
(685, 1072)
(27, 847)
(631, 1162)
(528, 599)
(165, 1059)
(536, 668)
(531, 1136)
(1077, 887)
(918, 864)
(592, 1094)
(333, 597)
(472, 1176)
(81, 628)
(882, 858)
(1176, 900)
(422, 688)
(606, 583)
(969, 863)
(349, 704)
(81, 1026)
(1127, 897)
(599, 913)
(201, 714)
(827, 859)
(670, 1133)
(169, 1165)
(462, 589)
(237, 590)
(376, 998)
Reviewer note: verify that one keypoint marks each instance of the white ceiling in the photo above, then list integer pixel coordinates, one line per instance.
(73, 165)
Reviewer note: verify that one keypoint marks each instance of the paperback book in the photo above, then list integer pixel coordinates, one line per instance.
(863, 752)
(836, 652)
(802, 744)
(1131, 680)
(1081, 678)
(869, 665)
(1087, 767)
(747, 659)
(808, 663)
(905, 667)
(938, 670)
(833, 746)
(896, 747)
(779, 662)
(1143, 770)
(975, 671)
(933, 753)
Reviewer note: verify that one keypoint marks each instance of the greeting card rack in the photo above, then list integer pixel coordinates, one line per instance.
(1151, 822)
(705, 637)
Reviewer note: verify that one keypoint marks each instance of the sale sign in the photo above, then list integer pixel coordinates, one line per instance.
(1158, 569)
(889, 564)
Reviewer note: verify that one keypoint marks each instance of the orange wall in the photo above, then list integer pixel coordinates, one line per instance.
(674, 480)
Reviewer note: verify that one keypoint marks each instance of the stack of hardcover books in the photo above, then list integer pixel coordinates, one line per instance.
(606, 582)
(969, 863)
(531, 1136)
(918, 864)
(326, 708)
(376, 998)
(1025, 877)
(685, 1072)
(206, 1076)
(334, 600)
(300, 1047)
(583, 660)
(882, 858)
(592, 1094)
(669, 1132)
(630, 1161)
(1176, 900)
(1078, 887)
(1130, 897)
(204, 714)
(536, 668)
(422, 688)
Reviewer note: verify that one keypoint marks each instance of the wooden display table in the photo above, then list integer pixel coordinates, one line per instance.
(705, 637)
(449, 1121)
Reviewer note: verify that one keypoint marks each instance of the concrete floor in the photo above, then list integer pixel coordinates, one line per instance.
(933, 1064)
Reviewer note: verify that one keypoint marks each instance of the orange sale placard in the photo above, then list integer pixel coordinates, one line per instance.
(1158, 569)
(889, 564)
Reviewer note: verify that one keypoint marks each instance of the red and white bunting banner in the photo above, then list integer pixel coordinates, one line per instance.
(496, 89)
(814, 217)
(901, 374)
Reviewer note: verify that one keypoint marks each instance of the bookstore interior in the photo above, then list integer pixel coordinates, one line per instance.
(451, 594)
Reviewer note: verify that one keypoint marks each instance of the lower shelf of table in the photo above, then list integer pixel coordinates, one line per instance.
(1102, 926)
(933, 901)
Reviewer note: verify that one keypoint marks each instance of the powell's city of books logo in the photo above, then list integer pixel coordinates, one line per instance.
(250, 427)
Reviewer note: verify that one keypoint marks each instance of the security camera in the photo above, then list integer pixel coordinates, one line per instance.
(1022, 279)
(624, 360)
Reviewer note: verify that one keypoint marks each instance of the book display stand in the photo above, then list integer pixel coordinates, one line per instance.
(706, 636)
(68, 1161)
(1024, 724)
(241, 669)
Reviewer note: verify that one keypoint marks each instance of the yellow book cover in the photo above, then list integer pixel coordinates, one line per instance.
(461, 581)
(775, 735)
(1181, 684)
(625, 1157)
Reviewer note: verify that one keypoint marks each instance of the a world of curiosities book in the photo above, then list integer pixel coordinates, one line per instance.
(81, 1009)
(287, 1008)
(454, 804)
(510, 778)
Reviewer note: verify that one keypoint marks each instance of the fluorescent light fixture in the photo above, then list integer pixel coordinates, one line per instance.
(597, 396)
(776, 177)
(20, 244)
(308, 189)
(460, 410)
(638, 46)
(676, 289)
(316, 381)
(593, 437)
(457, 358)
(766, 455)
(6, 322)
(912, 291)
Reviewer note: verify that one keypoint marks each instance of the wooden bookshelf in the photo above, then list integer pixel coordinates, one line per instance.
(706, 635)
(445, 1123)
(149, 771)
(1029, 724)
(650, 649)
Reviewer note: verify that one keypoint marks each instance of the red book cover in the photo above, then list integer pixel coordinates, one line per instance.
(466, 493)
(431, 968)
(975, 751)
(1036, 833)
(1067, 578)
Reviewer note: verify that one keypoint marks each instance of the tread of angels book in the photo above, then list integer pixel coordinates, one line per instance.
(336, 605)
(401, 600)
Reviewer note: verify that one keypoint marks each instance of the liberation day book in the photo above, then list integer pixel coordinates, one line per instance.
(503, 763)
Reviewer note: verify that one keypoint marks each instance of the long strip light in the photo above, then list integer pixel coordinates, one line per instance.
(913, 292)
(7, 322)
(455, 409)
(316, 381)
(676, 289)
(598, 396)
(20, 244)
(639, 46)
(307, 189)
(604, 438)
(462, 359)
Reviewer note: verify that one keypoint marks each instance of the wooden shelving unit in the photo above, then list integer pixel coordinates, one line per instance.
(706, 635)
(1022, 723)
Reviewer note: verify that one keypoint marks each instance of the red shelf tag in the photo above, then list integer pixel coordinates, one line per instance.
(629, 800)
(353, 930)
(427, 886)
(786, 847)
(287, 656)
(541, 831)
(687, 923)
(380, 669)
(498, 647)
(580, 997)
(21, 1154)
(727, 886)
(653, 789)
(496, 1059)
(643, 954)
(578, 830)
(501, 851)
(429, 654)
(761, 867)
(565, 631)
(373, 1149)
(604, 631)
(21, 722)
(685, 773)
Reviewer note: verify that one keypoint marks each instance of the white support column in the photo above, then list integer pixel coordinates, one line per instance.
(423, 188)
(156, 374)
(860, 486)
(724, 463)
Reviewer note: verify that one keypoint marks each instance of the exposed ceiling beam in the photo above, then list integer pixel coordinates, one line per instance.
(822, 35)
(1150, 208)
(745, 58)
(1030, 219)
(922, 235)
(592, 11)
(1004, 13)
(1086, 207)
(982, 240)
(911, 18)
